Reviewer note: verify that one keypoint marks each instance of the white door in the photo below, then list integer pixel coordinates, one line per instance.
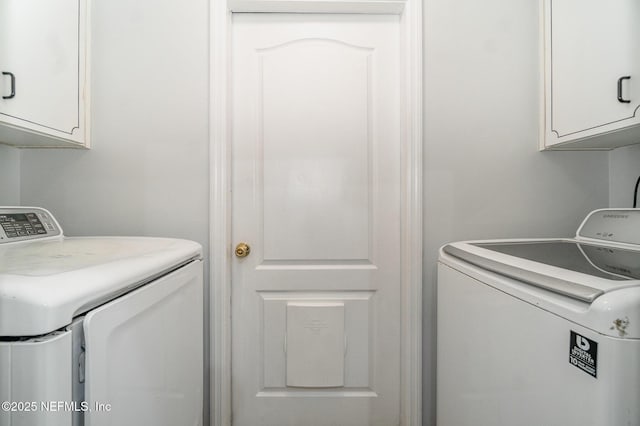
(316, 195)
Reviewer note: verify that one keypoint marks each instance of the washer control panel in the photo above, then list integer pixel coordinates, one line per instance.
(615, 225)
(26, 223)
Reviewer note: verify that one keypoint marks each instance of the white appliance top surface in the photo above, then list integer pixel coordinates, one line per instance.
(601, 291)
(604, 256)
(45, 283)
(580, 270)
(592, 279)
(607, 262)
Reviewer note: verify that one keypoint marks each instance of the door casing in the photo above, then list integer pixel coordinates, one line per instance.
(220, 247)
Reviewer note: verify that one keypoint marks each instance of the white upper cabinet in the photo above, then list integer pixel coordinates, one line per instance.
(591, 74)
(44, 80)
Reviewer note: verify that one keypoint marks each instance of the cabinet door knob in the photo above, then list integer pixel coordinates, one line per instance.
(13, 84)
(620, 98)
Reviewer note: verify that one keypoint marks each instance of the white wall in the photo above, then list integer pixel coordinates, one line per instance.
(483, 175)
(9, 176)
(624, 169)
(147, 173)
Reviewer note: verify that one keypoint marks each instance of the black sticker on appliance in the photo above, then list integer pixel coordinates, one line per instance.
(583, 353)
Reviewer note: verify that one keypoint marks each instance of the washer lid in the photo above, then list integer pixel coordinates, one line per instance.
(573, 268)
(44, 284)
(607, 262)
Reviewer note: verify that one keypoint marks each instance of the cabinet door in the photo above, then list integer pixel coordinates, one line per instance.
(40, 47)
(590, 45)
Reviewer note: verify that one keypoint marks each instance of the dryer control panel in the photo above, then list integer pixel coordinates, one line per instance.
(26, 223)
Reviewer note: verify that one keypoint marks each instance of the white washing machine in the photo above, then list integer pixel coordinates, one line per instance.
(542, 332)
(97, 331)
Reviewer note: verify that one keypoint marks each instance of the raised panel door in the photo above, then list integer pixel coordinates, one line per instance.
(316, 194)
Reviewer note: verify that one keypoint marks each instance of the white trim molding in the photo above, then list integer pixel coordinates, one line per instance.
(220, 184)
(318, 6)
(220, 216)
(411, 382)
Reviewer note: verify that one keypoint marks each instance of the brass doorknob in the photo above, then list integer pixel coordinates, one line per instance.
(242, 250)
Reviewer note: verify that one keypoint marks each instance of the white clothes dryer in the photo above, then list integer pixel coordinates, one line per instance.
(542, 332)
(97, 331)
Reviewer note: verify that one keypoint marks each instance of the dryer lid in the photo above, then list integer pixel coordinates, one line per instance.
(45, 283)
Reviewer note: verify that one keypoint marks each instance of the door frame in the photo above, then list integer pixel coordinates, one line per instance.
(220, 191)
